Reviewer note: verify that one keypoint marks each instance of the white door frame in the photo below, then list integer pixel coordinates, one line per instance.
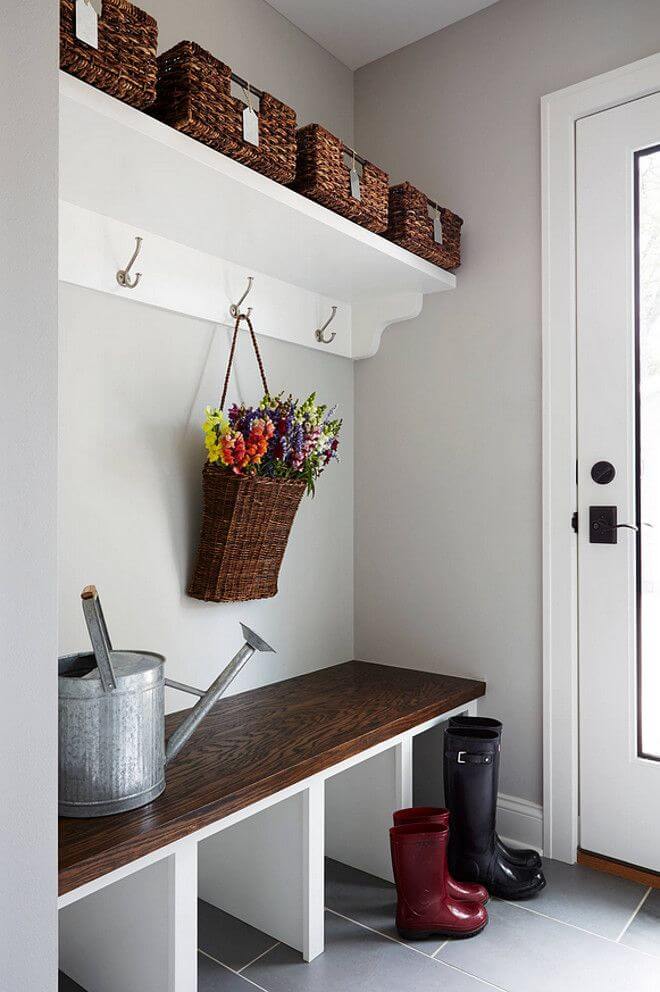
(559, 113)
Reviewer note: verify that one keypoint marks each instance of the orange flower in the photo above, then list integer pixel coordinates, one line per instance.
(233, 451)
(257, 443)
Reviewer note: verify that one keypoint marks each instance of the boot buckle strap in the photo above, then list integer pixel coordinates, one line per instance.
(465, 758)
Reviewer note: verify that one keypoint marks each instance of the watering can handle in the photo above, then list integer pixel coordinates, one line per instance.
(98, 634)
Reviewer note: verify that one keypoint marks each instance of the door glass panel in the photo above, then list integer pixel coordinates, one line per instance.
(648, 447)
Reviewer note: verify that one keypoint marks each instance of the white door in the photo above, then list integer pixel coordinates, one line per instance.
(618, 472)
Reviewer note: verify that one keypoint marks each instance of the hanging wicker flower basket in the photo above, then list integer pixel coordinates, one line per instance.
(247, 517)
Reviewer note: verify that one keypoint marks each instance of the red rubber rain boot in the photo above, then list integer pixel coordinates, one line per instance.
(466, 891)
(424, 909)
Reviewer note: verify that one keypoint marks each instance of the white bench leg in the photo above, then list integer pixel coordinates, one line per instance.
(404, 773)
(359, 806)
(138, 934)
(183, 918)
(267, 870)
(313, 870)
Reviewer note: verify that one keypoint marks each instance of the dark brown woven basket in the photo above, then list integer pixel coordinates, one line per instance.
(245, 529)
(323, 175)
(124, 65)
(411, 227)
(245, 524)
(194, 96)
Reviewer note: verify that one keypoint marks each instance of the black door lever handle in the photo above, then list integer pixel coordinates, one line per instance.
(603, 525)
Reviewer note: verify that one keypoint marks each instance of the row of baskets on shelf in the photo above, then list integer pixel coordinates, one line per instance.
(191, 91)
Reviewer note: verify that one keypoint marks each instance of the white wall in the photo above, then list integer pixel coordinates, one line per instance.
(134, 382)
(448, 438)
(263, 47)
(28, 438)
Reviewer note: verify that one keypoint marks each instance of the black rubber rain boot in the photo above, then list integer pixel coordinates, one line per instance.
(517, 856)
(471, 795)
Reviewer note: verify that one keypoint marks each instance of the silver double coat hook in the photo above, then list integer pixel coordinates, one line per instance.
(123, 276)
(235, 308)
(320, 332)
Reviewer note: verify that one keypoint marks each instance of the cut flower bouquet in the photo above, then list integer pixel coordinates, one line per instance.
(282, 438)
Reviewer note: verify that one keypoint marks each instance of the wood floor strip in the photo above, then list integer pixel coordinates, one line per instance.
(619, 868)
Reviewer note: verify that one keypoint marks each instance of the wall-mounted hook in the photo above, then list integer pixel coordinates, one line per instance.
(320, 333)
(123, 276)
(235, 308)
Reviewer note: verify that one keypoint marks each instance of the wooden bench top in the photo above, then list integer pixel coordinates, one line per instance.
(256, 743)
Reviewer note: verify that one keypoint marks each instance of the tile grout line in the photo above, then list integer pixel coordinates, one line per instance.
(380, 933)
(639, 906)
(553, 919)
(232, 970)
(470, 974)
(429, 957)
(573, 926)
(259, 957)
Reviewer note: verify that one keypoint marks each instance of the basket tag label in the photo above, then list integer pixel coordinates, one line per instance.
(437, 227)
(87, 21)
(356, 191)
(250, 126)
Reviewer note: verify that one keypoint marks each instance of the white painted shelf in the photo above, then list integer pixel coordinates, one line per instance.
(123, 174)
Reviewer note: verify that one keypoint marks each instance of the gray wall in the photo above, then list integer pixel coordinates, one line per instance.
(448, 497)
(28, 441)
(265, 48)
(134, 383)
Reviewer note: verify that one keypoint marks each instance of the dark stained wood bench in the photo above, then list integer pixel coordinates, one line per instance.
(254, 746)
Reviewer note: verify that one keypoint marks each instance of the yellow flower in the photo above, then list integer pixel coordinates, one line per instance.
(216, 422)
(215, 427)
(214, 452)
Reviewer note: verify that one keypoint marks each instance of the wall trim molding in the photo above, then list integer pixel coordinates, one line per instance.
(520, 821)
(559, 113)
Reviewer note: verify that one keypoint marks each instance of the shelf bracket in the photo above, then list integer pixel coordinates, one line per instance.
(370, 320)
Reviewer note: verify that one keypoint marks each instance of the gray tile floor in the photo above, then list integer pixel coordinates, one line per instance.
(586, 931)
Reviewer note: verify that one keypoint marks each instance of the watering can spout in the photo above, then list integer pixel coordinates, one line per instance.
(208, 699)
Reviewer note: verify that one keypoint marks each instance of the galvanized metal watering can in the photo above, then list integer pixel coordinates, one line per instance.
(112, 753)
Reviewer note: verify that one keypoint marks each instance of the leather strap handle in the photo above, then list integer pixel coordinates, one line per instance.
(243, 316)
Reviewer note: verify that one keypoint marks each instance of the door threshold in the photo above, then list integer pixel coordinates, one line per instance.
(620, 868)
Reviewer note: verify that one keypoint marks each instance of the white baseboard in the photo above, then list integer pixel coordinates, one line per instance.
(520, 821)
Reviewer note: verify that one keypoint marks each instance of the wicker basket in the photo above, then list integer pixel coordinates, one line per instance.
(411, 226)
(124, 65)
(322, 174)
(245, 529)
(194, 96)
(245, 524)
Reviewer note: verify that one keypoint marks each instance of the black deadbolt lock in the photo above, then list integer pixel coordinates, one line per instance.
(603, 473)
